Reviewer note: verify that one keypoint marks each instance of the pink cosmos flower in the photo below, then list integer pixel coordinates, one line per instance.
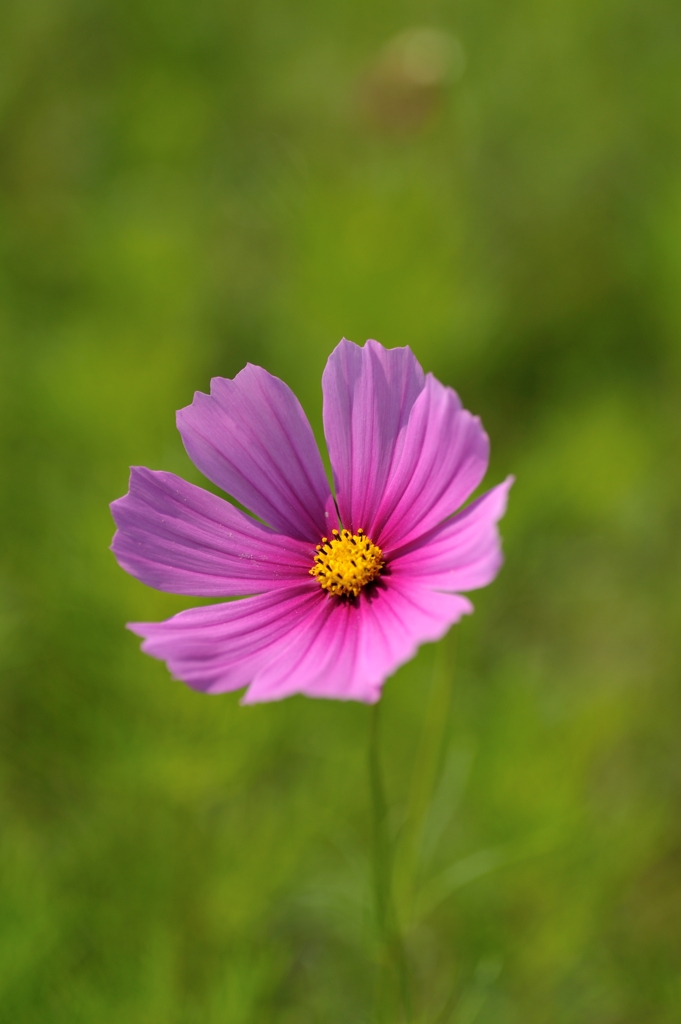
(340, 592)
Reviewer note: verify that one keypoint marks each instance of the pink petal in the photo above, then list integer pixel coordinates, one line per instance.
(410, 616)
(324, 647)
(178, 537)
(348, 649)
(223, 646)
(368, 396)
(299, 640)
(405, 455)
(463, 553)
(251, 437)
(442, 458)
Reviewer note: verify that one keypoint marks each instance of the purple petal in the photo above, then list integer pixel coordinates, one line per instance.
(405, 455)
(368, 396)
(442, 458)
(410, 616)
(223, 647)
(323, 648)
(251, 437)
(462, 554)
(348, 650)
(178, 537)
(299, 640)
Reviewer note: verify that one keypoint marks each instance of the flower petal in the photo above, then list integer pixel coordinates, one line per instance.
(463, 553)
(299, 640)
(324, 647)
(222, 647)
(442, 458)
(369, 393)
(405, 455)
(348, 649)
(251, 437)
(181, 538)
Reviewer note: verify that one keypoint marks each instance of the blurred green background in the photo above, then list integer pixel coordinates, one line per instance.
(185, 187)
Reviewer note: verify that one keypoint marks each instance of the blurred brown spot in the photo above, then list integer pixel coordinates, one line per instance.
(406, 82)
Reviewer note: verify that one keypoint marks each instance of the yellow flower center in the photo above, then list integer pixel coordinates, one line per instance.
(346, 563)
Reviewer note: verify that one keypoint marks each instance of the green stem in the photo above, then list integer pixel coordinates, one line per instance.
(392, 962)
(426, 767)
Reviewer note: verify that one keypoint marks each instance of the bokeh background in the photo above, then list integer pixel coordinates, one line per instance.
(185, 187)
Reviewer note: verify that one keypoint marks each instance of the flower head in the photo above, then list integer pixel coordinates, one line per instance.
(335, 594)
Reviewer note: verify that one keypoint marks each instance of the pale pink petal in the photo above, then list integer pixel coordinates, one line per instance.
(251, 437)
(181, 538)
(463, 553)
(369, 393)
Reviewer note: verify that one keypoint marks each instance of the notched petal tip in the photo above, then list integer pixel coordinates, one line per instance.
(371, 345)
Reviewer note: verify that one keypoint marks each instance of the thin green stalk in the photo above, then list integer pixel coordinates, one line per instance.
(426, 766)
(392, 962)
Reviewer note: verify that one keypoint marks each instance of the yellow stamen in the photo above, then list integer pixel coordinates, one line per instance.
(346, 563)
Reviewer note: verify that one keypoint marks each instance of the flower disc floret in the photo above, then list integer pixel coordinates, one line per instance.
(346, 563)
